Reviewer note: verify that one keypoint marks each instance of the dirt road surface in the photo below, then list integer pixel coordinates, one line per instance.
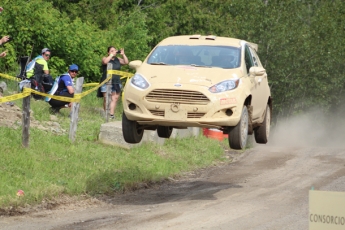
(265, 188)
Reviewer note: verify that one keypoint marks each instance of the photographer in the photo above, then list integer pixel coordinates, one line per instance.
(3, 40)
(116, 86)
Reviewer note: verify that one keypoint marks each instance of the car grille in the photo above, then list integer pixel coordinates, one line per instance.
(177, 96)
(190, 115)
(157, 113)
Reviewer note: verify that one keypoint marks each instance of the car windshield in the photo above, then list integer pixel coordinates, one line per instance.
(226, 57)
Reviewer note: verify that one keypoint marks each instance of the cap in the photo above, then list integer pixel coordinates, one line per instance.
(45, 50)
(73, 67)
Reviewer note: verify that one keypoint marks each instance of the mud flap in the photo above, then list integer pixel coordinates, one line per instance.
(250, 115)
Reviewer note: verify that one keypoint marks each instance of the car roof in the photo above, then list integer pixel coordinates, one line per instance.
(201, 40)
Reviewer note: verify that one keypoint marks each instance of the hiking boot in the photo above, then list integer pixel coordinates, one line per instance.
(111, 117)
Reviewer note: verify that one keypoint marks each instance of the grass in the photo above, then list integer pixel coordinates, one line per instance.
(53, 166)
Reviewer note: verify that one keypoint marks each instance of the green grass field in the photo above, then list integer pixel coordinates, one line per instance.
(52, 166)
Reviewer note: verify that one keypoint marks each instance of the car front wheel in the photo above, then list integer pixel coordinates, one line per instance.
(262, 132)
(132, 133)
(238, 135)
(164, 131)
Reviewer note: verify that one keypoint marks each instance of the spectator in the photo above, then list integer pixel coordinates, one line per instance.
(65, 88)
(3, 54)
(3, 40)
(41, 60)
(116, 86)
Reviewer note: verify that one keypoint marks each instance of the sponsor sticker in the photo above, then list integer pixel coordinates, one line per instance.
(227, 101)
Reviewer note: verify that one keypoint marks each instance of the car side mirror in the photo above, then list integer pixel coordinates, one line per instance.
(135, 64)
(257, 71)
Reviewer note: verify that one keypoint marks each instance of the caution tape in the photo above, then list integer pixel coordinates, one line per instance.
(90, 84)
(123, 74)
(77, 97)
(10, 77)
(15, 97)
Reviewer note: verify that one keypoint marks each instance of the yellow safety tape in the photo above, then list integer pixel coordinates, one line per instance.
(77, 96)
(10, 77)
(123, 74)
(14, 97)
(90, 84)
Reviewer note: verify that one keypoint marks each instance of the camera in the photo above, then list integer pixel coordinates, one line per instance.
(118, 52)
(10, 39)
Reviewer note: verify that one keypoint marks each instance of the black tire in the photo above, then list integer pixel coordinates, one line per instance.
(262, 132)
(164, 131)
(238, 135)
(132, 133)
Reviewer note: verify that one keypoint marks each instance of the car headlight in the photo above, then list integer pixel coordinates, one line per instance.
(224, 86)
(139, 81)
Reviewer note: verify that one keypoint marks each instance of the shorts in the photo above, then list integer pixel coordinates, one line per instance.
(114, 88)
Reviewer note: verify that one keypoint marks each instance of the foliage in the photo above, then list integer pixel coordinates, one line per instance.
(37, 24)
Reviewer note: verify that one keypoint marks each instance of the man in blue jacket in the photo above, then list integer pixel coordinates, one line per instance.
(64, 88)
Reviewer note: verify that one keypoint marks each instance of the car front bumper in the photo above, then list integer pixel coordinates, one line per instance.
(183, 107)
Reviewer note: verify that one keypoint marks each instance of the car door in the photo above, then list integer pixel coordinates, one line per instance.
(259, 90)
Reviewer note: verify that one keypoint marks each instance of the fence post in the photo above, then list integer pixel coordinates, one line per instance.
(108, 98)
(75, 111)
(26, 118)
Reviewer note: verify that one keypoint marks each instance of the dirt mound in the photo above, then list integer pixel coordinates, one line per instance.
(11, 116)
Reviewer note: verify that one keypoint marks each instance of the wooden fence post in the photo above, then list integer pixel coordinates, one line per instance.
(75, 111)
(108, 98)
(26, 118)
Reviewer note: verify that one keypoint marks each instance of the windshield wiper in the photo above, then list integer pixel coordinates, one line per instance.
(157, 63)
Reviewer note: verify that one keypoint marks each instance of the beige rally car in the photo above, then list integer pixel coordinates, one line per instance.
(199, 81)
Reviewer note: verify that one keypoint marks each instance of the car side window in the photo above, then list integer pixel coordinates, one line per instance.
(255, 56)
(258, 62)
(248, 58)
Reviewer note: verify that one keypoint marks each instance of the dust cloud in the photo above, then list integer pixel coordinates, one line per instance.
(311, 129)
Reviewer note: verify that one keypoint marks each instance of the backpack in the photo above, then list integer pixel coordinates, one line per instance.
(36, 81)
(32, 64)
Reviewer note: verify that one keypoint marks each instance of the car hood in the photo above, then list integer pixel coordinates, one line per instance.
(201, 76)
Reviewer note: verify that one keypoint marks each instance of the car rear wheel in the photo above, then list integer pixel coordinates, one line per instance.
(238, 135)
(164, 131)
(132, 133)
(262, 132)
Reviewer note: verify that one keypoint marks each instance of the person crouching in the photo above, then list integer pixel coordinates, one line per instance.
(65, 89)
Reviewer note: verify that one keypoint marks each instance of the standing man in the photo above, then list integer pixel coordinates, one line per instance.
(64, 88)
(41, 60)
